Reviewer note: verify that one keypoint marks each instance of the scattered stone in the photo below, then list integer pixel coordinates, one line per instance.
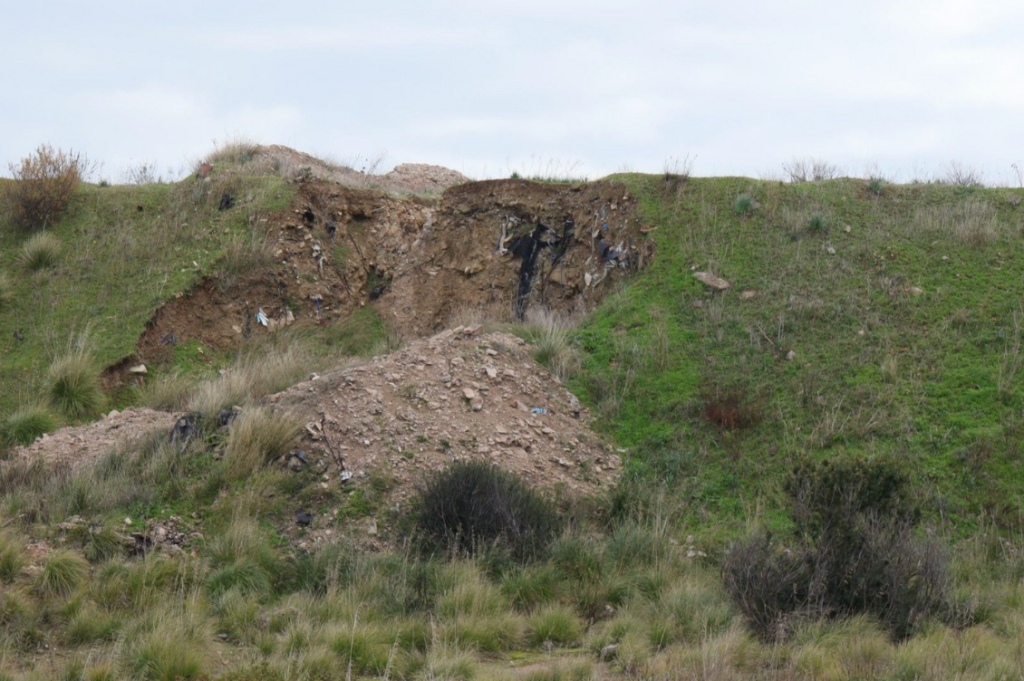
(748, 294)
(139, 369)
(791, 355)
(916, 290)
(714, 282)
(831, 250)
(609, 652)
(1013, 199)
(113, 414)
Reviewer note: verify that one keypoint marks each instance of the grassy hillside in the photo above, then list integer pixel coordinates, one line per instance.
(876, 323)
(122, 252)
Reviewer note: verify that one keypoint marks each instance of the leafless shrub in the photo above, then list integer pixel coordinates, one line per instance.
(142, 173)
(677, 170)
(43, 185)
(810, 170)
(769, 585)
(962, 175)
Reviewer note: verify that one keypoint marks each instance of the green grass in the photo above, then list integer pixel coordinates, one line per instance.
(902, 342)
(75, 389)
(25, 425)
(175, 240)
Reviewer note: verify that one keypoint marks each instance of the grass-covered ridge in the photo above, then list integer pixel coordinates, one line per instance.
(123, 252)
(856, 321)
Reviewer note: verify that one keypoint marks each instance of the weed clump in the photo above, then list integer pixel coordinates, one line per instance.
(75, 388)
(876, 185)
(744, 205)
(43, 185)
(25, 425)
(473, 505)
(258, 436)
(12, 557)
(62, 573)
(40, 252)
(817, 224)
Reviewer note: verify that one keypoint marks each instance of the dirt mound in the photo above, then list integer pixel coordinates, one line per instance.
(76, 445)
(407, 178)
(458, 395)
(423, 263)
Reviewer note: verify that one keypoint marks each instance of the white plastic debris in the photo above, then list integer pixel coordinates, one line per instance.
(261, 317)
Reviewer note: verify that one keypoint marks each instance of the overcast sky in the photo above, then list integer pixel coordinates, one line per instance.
(490, 86)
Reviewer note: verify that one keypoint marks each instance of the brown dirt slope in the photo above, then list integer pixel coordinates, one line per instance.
(424, 263)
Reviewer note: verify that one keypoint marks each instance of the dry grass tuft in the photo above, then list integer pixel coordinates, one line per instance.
(40, 252)
(971, 222)
(258, 436)
(75, 389)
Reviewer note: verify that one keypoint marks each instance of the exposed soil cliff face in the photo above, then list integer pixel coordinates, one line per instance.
(423, 262)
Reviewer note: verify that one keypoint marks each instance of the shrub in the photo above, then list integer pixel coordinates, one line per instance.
(43, 185)
(259, 435)
(75, 387)
(876, 185)
(40, 252)
(472, 505)
(61, 574)
(744, 204)
(817, 223)
(857, 553)
(809, 170)
(768, 586)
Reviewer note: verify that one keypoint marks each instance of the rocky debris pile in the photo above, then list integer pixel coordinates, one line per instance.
(81, 444)
(406, 178)
(461, 394)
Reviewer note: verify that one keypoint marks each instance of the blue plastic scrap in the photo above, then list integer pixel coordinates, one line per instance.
(539, 410)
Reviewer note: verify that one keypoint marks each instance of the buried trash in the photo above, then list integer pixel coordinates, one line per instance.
(184, 429)
(226, 416)
(303, 517)
(226, 201)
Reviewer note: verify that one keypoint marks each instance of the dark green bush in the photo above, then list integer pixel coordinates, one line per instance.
(856, 552)
(472, 506)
